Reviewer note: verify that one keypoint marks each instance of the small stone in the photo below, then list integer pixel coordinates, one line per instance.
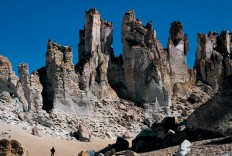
(184, 148)
(127, 135)
(35, 131)
(82, 153)
(122, 106)
(131, 153)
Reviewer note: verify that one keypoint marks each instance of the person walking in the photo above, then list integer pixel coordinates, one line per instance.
(52, 151)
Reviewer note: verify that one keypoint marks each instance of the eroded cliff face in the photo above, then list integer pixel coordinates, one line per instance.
(146, 68)
(29, 89)
(213, 58)
(62, 86)
(8, 79)
(94, 57)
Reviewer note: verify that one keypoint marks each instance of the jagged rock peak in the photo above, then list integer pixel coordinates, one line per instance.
(61, 84)
(8, 79)
(176, 32)
(213, 58)
(5, 67)
(177, 49)
(107, 23)
(29, 89)
(92, 11)
(23, 70)
(142, 57)
(59, 55)
(95, 50)
(129, 16)
(177, 35)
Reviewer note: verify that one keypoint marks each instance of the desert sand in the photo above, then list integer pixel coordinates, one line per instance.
(40, 146)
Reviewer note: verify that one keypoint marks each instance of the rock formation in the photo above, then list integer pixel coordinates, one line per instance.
(213, 58)
(8, 79)
(29, 89)
(12, 147)
(60, 96)
(61, 86)
(94, 56)
(177, 51)
(214, 67)
(215, 115)
(146, 68)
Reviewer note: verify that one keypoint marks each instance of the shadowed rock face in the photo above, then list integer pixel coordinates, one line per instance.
(146, 68)
(213, 58)
(94, 57)
(215, 115)
(214, 67)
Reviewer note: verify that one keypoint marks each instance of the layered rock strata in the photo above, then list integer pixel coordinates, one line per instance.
(213, 58)
(146, 68)
(95, 48)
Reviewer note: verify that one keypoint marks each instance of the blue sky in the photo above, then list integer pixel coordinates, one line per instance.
(26, 25)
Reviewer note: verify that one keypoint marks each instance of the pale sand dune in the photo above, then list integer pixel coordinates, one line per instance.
(40, 146)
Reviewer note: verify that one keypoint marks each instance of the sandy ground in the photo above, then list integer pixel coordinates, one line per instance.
(40, 146)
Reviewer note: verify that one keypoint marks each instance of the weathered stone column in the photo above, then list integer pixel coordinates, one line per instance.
(177, 50)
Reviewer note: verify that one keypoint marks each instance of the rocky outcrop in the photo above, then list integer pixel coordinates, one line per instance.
(146, 68)
(61, 86)
(94, 56)
(215, 115)
(177, 51)
(8, 79)
(213, 58)
(29, 89)
(12, 147)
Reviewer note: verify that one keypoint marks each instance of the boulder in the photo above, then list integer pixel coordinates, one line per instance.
(121, 144)
(91, 152)
(184, 148)
(12, 147)
(131, 153)
(146, 140)
(193, 98)
(43, 121)
(5, 97)
(127, 135)
(82, 153)
(83, 132)
(35, 131)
